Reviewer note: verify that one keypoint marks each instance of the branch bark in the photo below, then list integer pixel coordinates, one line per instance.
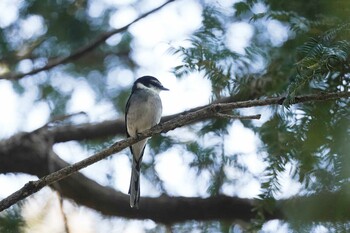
(110, 202)
(83, 50)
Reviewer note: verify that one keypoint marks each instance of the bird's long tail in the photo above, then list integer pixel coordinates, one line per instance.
(134, 188)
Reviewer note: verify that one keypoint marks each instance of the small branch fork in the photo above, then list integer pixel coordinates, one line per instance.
(212, 110)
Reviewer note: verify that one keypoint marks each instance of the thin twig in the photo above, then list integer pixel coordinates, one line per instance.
(83, 50)
(58, 119)
(64, 217)
(185, 119)
(234, 117)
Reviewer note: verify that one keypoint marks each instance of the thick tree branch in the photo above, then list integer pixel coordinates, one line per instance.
(83, 50)
(209, 111)
(107, 200)
(164, 209)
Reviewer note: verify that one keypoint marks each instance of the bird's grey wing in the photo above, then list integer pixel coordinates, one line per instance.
(126, 113)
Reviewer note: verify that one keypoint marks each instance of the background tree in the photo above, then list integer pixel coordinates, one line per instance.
(54, 48)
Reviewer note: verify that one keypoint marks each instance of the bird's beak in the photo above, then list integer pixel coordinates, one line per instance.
(164, 89)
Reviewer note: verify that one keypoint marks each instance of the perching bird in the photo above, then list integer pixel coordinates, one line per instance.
(143, 111)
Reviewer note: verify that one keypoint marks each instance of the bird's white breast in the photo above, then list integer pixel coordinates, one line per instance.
(146, 113)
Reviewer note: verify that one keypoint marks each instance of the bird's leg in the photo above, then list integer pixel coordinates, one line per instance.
(138, 135)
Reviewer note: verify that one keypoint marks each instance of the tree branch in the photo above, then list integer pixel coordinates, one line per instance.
(30, 156)
(209, 111)
(27, 149)
(235, 117)
(83, 50)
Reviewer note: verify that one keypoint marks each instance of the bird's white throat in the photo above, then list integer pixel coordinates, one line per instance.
(151, 88)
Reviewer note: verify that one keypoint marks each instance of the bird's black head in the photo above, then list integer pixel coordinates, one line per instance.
(148, 82)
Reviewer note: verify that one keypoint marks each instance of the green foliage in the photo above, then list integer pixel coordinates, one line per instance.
(311, 140)
(11, 220)
(209, 54)
(324, 61)
(161, 143)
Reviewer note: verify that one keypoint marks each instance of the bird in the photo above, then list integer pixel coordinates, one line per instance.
(143, 111)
